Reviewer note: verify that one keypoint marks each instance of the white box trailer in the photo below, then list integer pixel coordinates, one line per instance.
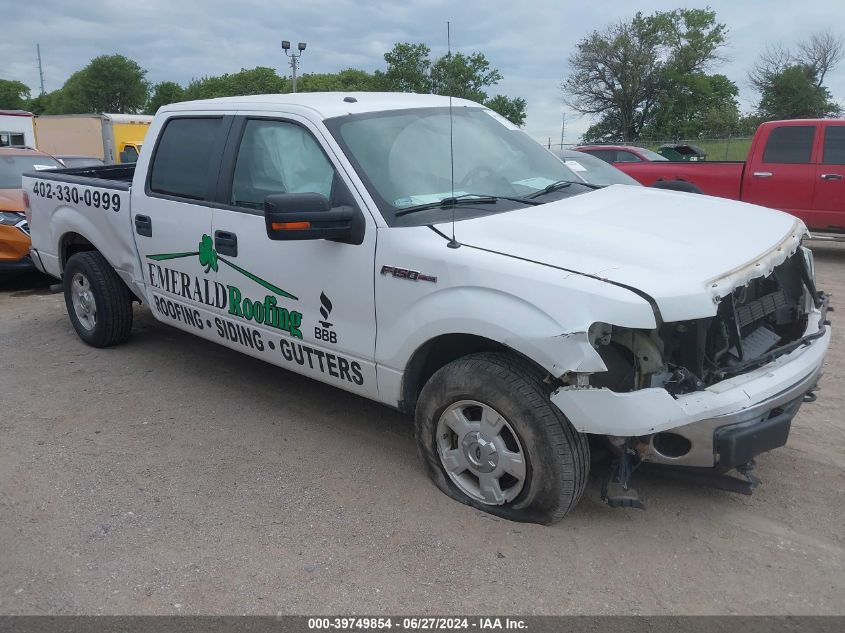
(114, 138)
(16, 129)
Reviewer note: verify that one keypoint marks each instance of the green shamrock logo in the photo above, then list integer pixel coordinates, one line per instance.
(208, 256)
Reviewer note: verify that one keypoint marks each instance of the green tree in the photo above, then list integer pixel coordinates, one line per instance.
(791, 82)
(629, 73)
(512, 109)
(408, 69)
(109, 83)
(349, 80)
(164, 93)
(13, 94)
(411, 69)
(794, 93)
(253, 81)
(700, 105)
(48, 103)
(464, 76)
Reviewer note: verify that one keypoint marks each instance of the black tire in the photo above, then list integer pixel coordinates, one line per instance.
(676, 185)
(557, 456)
(111, 297)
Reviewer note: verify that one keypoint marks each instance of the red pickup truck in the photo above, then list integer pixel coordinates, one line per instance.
(796, 166)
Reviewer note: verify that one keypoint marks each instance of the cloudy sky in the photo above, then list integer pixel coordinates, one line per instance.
(529, 41)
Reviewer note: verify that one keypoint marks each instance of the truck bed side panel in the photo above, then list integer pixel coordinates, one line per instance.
(715, 178)
(94, 209)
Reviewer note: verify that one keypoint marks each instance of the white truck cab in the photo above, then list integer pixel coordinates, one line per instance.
(430, 256)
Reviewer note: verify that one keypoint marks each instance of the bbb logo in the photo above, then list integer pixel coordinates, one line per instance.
(324, 333)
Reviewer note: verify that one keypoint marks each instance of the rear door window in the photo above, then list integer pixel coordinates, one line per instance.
(834, 145)
(182, 161)
(792, 144)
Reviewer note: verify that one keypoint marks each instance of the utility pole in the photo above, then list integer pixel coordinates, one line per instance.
(40, 69)
(294, 59)
(562, 128)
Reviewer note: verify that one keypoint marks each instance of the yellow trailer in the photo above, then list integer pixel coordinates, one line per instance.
(113, 138)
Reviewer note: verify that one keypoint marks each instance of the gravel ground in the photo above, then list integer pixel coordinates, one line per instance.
(171, 475)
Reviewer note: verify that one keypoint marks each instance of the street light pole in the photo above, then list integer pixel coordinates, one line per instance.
(294, 59)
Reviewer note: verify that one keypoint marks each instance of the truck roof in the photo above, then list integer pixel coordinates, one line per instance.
(799, 122)
(325, 104)
(114, 118)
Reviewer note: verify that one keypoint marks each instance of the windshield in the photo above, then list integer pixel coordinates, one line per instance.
(403, 157)
(13, 167)
(593, 170)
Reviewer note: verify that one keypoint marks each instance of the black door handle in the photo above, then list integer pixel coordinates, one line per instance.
(226, 243)
(144, 225)
(831, 176)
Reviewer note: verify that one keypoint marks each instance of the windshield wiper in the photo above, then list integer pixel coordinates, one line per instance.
(463, 199)
(562, 184)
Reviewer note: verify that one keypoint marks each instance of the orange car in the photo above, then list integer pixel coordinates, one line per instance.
(14, 232)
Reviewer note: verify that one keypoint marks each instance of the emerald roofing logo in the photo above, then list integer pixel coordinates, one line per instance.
(265, 311)
(208, 257)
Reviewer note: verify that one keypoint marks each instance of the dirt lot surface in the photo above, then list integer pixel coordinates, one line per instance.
(171, 475)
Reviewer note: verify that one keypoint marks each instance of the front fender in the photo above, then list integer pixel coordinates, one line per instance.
(501, 317)
(505, 319)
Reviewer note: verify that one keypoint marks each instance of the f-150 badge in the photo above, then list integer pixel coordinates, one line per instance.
(404, 273)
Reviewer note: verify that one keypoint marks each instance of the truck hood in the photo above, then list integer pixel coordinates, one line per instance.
(683, 250)
(11, 200)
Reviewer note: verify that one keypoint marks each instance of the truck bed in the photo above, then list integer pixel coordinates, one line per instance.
(715, 178)
(75, 208)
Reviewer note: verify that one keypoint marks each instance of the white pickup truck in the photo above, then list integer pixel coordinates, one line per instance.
(432, 257)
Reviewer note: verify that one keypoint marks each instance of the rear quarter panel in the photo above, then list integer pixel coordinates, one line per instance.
(715, 178)
(64, 205)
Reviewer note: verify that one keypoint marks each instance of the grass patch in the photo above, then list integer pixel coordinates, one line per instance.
(717, 148)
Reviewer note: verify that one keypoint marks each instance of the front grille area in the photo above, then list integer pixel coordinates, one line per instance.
(23, 226)
(759, 309)
(751, 323)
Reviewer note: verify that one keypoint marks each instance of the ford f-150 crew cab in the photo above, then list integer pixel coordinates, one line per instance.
(434, 258)
(796, 166)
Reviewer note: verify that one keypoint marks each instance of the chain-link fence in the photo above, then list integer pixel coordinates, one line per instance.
(728, 148)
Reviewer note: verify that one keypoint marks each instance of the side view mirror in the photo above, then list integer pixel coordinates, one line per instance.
(307, 216)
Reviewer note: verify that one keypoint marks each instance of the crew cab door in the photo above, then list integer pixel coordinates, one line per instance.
(829, 199)
(172, 219)
(306, 305)
(781, 173)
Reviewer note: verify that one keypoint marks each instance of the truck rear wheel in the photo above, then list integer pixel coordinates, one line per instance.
(489, 437)
(98, 302)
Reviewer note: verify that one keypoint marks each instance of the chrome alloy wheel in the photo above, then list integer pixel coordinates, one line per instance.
(84, 304)
(481, 452)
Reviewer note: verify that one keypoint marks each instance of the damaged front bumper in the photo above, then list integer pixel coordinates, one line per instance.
(732, 420)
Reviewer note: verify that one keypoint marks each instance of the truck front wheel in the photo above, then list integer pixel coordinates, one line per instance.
(98, 302)
(490, 437)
